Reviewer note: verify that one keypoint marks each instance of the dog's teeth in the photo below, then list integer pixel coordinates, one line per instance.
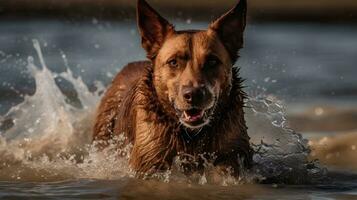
(185, 114)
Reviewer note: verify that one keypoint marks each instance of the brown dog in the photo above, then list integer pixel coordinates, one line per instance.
(186, 101)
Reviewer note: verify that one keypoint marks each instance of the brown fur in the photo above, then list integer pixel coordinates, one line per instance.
(143, 100)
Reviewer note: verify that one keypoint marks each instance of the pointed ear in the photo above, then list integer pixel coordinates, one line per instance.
(230, 27)
(153, 28)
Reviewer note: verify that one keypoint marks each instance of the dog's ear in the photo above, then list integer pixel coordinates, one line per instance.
(230, 28)
(153, 28)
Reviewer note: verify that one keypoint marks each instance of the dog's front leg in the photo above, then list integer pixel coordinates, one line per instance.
(152, 146)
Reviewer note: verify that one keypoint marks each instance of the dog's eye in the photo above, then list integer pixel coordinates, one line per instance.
(212, 61)
(172, 63)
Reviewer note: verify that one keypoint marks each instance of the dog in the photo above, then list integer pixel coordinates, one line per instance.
(185, 101)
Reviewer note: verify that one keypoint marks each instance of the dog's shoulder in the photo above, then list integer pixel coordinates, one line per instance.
(131, 72)
(116, 96)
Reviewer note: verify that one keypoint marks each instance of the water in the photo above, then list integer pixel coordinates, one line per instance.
(45, 149)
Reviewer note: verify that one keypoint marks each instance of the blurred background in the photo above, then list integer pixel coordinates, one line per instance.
(301, 52)
(260, 10)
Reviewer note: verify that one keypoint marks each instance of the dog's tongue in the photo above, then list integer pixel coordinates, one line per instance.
(193, 115)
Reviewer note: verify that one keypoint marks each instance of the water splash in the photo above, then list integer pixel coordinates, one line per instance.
(46, 138)
(49, 137)
(281, 154)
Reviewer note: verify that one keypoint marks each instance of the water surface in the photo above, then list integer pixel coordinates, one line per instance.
(45, 149)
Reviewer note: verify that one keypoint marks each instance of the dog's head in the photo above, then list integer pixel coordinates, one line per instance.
(192, 69)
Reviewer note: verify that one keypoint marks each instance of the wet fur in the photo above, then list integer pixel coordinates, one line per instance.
(226, 135)
(133, 106)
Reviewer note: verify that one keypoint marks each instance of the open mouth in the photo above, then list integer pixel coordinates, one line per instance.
(194, 118)
(193, 115)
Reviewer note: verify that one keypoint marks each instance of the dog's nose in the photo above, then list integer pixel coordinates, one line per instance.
(194, 95)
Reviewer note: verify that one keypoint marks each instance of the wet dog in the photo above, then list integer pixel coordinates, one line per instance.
(186, 100)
